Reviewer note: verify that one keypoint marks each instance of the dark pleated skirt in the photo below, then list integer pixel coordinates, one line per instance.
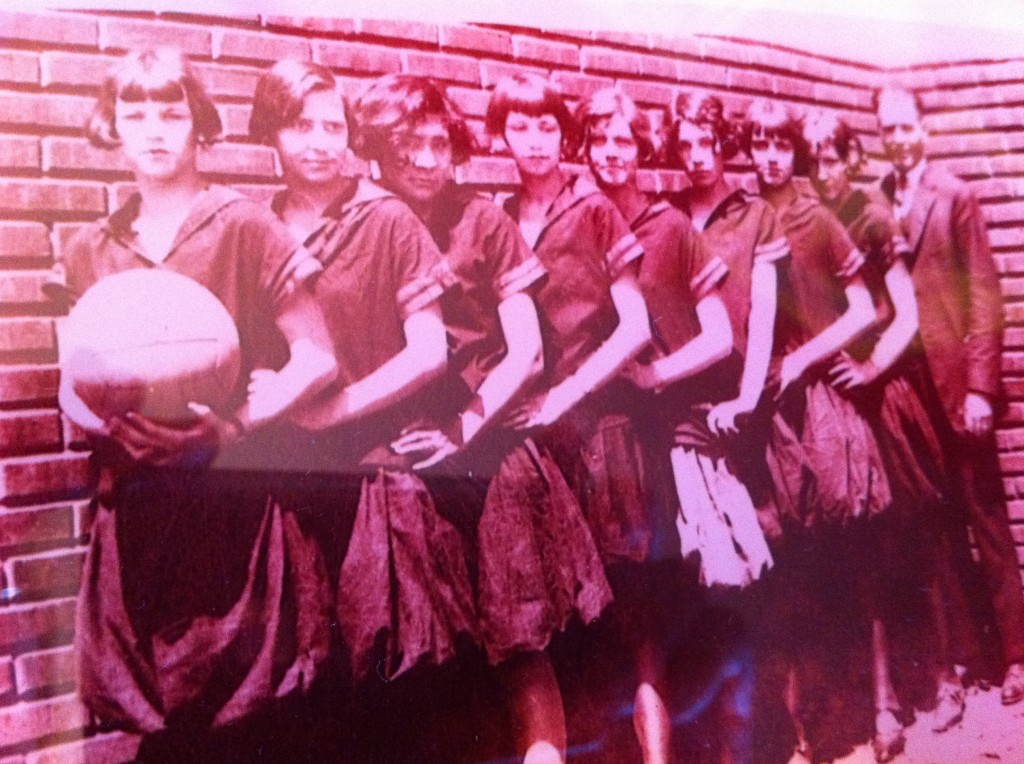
(825, 463)
(202, 601)
(539, 565)
(404, 593)
(601, 458)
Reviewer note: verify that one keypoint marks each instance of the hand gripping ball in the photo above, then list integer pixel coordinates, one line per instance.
(149, 341)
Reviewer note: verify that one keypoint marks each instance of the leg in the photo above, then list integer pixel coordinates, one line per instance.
(650, 714)
(888, 740)
(791, 697)
(535, 700)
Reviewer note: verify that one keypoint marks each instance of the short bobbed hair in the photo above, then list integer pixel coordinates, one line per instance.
(397, 102)
(705, 111)
(606, 103)
(823, 129)
(771, 120)
(534, 96)
(280, 94)
(161, 74)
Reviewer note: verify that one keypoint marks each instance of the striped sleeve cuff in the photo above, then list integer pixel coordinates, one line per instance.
(771, 251)
(623, 252)
(710, 276)
(418, 294)
(520, 278)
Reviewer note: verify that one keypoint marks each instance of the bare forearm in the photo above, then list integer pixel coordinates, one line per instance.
(760, 333)
(712, 344)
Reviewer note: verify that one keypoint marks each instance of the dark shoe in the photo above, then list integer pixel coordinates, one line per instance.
(949, 706)
(889, 740)
(1013, 685)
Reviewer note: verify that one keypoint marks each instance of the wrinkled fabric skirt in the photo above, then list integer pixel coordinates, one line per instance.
(202, 601)
(404, 592)
(825, 463)
(539, 566)
(601, 458)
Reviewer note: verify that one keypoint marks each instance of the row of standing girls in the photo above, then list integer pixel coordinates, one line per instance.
(497, 422)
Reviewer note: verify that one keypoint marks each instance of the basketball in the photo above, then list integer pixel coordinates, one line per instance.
(149, 341)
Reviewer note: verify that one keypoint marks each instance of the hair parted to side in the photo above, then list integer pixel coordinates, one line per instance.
(606, 103)
(772, 120)
(706, 111)
(161, 74)
(280, 94)
(823, 129)
(397, 102)
(534, 96)
(889, 94)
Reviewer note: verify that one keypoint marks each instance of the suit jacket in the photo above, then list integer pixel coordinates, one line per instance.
(957, 287)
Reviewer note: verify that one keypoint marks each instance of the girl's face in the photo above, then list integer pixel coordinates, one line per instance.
(419, 162)
(157, 138)
(695, 149)
(313, 147)
(535, 142)
(831, 177)
(613, 151)
(773, 160)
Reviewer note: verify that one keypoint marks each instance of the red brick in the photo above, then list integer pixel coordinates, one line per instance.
(27, 337)
(1016, 510)
(238, 160)
(36, 625)
(56, 572)
(112, 748)
(657, 67)
(357, 57)
(811, 66)
(721, 50)
(258, 46)
(490, 42)
(221, 80)
(1014, 337)
(955, 75)
(608, 61)
(24, 243)
(40, 477)
(792, 87)
(491, 171)
(7, 690)
(492, 71)
(25, 722)
(316, 24)
(472, 102)
(29, 432)
(1012, 463)
(19, 152)
(949, 122)
(998, 188)
(126, 34)
(45, 671)
(1009, 212)
(1009, 263)
(44, 111)
(28, 385)
(58, 68)
(76, 155)
(580, 85)
(541, 51)
(864, 123)
(19, 528)
(842, 95)
(680, 44)
(85, 513)
(47, 198)
(411, 31)
(19, 68)
(234, 119)
(628, 39)
(706, 75)
(48, 28)
(649, 93)
(967, 166)
(1006, 237)
(1010, 439)
(1012, 363)
(746, 79)
(445, 66)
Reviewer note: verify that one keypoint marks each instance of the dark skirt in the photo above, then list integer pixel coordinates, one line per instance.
(539, 566)
(601, 458)
(202, 601)
(825, 463)
(404, 592)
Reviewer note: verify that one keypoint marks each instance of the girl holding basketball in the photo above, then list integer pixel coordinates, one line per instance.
(202, 601)
(403, 592)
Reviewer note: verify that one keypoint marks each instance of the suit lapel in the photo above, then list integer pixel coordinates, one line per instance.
(917, 218)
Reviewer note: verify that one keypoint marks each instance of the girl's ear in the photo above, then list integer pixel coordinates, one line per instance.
(854, 157)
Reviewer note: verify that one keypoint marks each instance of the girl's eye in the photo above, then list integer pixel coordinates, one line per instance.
(303, 125)
(335, 128)
(132, 116)
(707, 143)
(623, 143)
(516, 127)
(759, 145)
(549, 127)
(598, 140)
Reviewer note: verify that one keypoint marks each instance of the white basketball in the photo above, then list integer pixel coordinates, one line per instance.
(149, 341)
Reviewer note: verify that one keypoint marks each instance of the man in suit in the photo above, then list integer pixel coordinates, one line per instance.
(961, 320)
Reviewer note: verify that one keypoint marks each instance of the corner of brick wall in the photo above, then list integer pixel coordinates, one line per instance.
(53, 181)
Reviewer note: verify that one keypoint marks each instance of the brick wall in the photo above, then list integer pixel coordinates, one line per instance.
(51, 180)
